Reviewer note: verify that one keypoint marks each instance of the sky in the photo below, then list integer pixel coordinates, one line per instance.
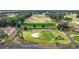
(38, 4)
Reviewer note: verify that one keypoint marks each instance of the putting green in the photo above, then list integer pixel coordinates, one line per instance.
(48, 36)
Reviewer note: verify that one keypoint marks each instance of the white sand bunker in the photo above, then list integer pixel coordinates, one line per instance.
(35, 35)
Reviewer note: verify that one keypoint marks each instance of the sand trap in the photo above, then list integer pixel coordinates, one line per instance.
(35, 35)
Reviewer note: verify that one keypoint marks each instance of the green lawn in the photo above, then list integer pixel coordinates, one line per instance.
(76, 38)
(38, 24)
(46, 36)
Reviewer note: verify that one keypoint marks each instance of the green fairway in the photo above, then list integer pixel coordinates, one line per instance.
(38, 24)
(46, 36)
(76, 38)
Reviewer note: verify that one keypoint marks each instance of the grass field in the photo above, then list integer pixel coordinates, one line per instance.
(46, 36)
(38, 18)
(38, 24)
(76, 38)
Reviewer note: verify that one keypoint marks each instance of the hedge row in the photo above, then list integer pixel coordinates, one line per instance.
(38, 24)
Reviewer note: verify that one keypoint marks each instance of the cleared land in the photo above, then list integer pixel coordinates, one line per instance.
(38, 18)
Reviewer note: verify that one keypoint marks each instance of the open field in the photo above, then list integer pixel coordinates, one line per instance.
(75, 37)
(38, 18)
(46, 37)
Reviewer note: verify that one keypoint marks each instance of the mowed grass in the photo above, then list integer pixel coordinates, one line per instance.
(46, 36)
(76, 38)
(38, 24)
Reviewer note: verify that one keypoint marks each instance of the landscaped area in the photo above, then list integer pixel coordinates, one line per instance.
(46, 36)
(48, 29)
(76, 38)
(38, 24)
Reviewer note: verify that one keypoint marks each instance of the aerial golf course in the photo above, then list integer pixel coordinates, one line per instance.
(46, 36)
(40, 29)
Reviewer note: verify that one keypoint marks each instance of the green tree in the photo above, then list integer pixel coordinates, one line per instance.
(22, 16)
(57, 16)
(77, 16)
(3, 22)
(68, 19)
(63, 27)
(12, 21)
(43, 26)
(34, 26)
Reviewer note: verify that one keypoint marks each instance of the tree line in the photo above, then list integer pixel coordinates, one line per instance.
(14, 21)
